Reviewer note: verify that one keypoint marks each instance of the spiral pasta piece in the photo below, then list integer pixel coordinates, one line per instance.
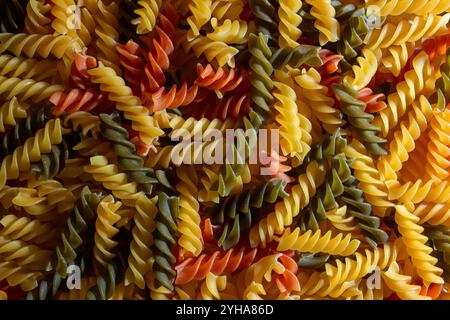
(260, 77)
(289, 23)
(325, 22)
(25, 89)
(9, 112)
(107, 23)
(295, 138)
(147, 13)
(31, 151)
(105, 230)
(36, 20)
(309, 242)
(37, 45)
(189, 218)
(370, 181)
(401, 284)
(438, 148)
(214, 51)
(26, 229)
(316, 97)
(201, 14)
(229, 31)
(421, 7)
(139, 259)
(289, 207)
(108, 174)
(16, 275)
(406, 31)
(164, 235)
(62, 23)
(403, 141)
(417, 81)
(218, 263)
(18, 67)
(126, 102)
(364, 71)
(415, 243)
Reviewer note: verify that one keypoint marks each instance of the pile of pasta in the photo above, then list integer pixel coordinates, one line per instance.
(354, 204)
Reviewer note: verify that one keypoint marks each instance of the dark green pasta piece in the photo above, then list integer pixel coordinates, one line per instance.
(313, 261)
(107, 281)
(266, 17)
(47, 288)
(354, 109)
(230, 171)
(361, 211)
(12, 15)
(125, 150)
(352, 37)
(75, 232)
(440, 238)
(165, 241)
(296, 57)
(236, 214)
(52, 163)
(333, 187)
(260, 75)
(52, 283)
(24, 129)
(307, 25)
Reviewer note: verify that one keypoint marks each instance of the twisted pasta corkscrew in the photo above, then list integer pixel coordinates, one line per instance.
(218, 263)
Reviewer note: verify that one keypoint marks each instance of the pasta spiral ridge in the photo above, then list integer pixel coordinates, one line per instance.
(31, 151)
(406, 31)
(34, 45)
(164, 235)
(10, 112)
(36, 20)
(325, 22)
(107, 217)
(266, 17)
(237, 213)
(218, 263)
(415, 243)
(26, 68)
(315, 95)
(290, 20)
(140, 255)
(316, 242)
(191, 239)
(125, 151)
(289, 207)
(147, 13)
(403, 141)
(107, 22)
(201, 13)
(25, 89)
(362, 121)
(126, 102)
(77, 225)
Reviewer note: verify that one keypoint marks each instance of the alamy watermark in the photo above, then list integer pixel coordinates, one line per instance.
(235, 146)
(73, 277)
(373, 17)
(73, 17)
